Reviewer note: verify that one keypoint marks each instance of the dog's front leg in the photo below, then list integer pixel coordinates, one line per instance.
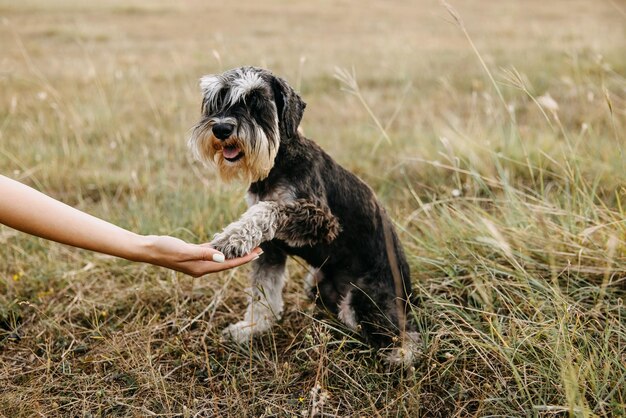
(258, 224)
(298, 222)
(303, 222)
(265, 301)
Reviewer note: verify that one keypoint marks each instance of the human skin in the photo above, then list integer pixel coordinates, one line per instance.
(30, 211)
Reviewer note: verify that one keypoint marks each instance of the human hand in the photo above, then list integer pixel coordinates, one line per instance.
(192, 259)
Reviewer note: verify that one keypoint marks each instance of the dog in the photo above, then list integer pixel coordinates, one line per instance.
(300, 203)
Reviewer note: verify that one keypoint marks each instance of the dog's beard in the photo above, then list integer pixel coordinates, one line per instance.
(255, 159)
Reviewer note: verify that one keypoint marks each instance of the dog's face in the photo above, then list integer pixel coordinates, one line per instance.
(247, 114)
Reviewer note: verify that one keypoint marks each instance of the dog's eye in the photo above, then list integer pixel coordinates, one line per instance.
(255, 100)
(252, 100)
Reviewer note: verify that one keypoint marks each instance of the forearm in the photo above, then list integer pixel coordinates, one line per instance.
(30, 211)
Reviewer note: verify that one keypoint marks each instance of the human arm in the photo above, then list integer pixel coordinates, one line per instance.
(33, 212)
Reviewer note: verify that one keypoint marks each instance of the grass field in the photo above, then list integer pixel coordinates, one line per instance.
(496, 142)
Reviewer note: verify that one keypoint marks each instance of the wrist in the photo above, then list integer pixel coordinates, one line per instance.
(142, 248)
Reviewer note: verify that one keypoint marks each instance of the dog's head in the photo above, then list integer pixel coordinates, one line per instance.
(247, 114)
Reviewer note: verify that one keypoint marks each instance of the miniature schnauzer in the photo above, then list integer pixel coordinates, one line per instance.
(301, 203)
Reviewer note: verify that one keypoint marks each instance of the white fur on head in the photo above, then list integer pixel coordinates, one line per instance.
(240, 83)
(211, 86)
(244, 84)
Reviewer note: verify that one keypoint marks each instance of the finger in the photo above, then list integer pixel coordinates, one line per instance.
(203, 263)
(255, 251)
(208, 253)
(233, 262)
(254, 254)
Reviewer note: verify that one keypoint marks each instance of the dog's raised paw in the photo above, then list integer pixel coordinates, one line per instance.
(232, 246)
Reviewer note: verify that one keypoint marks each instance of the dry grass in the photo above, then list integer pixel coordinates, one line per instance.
(511, 209)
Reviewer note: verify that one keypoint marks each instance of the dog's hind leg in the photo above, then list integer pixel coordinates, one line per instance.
(265, 303)
(381, 318)
(322, 291)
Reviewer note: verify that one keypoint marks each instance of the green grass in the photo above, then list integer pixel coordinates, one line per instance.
(512, 215)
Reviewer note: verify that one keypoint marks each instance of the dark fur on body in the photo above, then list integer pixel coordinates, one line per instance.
(304, 205)
(357, 257)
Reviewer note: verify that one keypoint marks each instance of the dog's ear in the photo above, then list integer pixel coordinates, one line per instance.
(289, 106)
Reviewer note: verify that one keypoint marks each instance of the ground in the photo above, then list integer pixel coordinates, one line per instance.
(493, 132)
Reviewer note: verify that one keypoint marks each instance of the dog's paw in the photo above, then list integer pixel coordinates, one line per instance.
(405, 355)
(239, 332)
(233, 245)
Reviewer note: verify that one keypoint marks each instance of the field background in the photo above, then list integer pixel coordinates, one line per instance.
(498, 151)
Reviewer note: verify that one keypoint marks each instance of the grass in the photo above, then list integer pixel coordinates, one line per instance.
(511, 208)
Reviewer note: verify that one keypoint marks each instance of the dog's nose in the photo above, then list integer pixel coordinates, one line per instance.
(223, 130)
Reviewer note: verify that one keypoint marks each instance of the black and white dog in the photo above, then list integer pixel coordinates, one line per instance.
(301, 203)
